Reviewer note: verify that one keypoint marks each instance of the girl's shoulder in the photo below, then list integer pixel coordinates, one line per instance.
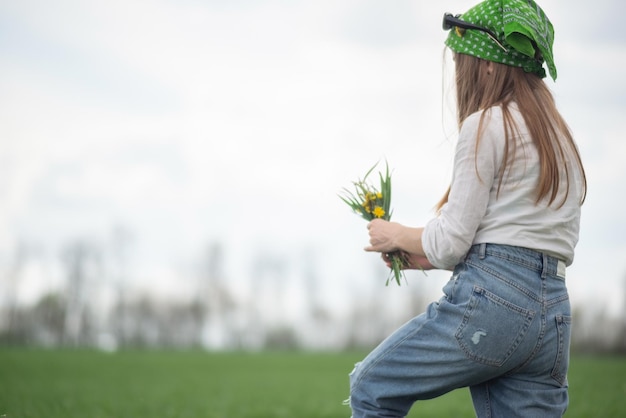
(494, 112)
(483, 119)
(491, 119)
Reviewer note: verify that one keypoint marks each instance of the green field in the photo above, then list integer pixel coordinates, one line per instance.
(142, 384)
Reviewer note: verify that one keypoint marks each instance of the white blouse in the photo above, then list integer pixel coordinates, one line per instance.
(475, 213)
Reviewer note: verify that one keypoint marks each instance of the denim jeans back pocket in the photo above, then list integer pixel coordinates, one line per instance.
(561, 364)
(492, 327)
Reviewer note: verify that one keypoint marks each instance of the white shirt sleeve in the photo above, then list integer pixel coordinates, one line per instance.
(448, 237)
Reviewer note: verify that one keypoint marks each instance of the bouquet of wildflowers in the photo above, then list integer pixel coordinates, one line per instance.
(371, 203)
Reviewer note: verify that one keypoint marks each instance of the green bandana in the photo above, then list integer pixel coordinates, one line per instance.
(520, 25)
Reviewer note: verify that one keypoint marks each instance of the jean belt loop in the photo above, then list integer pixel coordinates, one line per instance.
(546, 266)
(482, 251)
(560, 269)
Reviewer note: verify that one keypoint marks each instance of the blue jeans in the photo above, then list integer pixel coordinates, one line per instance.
(502, 329)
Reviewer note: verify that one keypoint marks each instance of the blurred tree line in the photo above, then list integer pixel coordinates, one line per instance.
(213, 318)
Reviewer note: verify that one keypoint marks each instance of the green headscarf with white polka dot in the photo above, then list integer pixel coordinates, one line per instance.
(520, 25)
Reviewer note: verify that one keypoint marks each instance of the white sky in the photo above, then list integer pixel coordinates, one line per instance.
(238, 121)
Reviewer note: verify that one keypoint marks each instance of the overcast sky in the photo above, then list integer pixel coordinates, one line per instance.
(188, 122)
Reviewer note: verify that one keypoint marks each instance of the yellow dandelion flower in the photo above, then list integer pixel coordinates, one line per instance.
(379, 212)
(379, 195)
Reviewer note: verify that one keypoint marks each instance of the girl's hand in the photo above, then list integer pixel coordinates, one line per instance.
(387, 237)
(382, 234)
(414, 262)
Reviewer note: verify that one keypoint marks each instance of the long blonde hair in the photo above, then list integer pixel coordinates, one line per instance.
(478, 90)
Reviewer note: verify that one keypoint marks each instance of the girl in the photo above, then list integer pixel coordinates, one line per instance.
(507, 227)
